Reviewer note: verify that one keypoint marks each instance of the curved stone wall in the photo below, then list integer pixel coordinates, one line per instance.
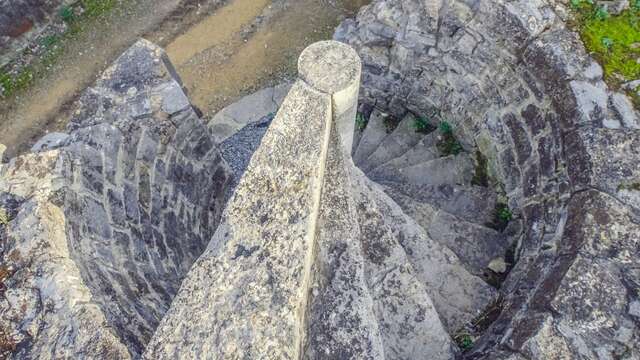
(519, 87)
(138, 188)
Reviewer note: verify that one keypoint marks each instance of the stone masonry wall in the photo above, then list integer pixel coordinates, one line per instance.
(518, 86)
(143, 190)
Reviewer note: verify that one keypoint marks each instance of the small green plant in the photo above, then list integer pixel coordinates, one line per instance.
(361, 121)
(501, 217)
(422, 125)
(607, 43)
(601, 13)
(504, 214)
(464, 340)
(4, 218)
(448, 144)
(67, 14)
(50, 41)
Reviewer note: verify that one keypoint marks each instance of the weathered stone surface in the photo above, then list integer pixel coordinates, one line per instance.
(136, 197)
(50, 141)
(373, 134)
(370, 303)
(423, 151)
(245, 294)
(47, 311)
(518, 85)
(403, 138)
(304, 263)
(247, 110)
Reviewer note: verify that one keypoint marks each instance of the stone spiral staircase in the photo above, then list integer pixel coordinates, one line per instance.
(405, 248)
(125, 240)
(437, 190)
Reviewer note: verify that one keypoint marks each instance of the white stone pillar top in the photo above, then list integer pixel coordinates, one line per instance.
(329, 66)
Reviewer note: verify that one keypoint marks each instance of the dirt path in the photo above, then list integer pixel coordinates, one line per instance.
(221, 54)
(252, 44)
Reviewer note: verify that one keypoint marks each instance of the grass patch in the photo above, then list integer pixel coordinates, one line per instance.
(94, 8)
(361, 121)
(77, 17)
(481, 173)
(448, 144)
(614, 40)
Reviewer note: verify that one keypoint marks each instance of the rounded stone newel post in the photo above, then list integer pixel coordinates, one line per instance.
(334, 68)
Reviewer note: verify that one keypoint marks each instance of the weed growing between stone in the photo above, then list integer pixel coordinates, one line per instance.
(614, 40)
(361, 121)
(448, 144)
(464, 341)
(502, 215)
(422, 125)
(77, 18)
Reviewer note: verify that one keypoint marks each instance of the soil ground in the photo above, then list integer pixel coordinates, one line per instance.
(221, 51)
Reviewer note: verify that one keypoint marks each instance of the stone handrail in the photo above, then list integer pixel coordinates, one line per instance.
(257, 268)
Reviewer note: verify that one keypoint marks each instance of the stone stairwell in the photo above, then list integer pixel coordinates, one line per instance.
(382, 266)
(434, 189)
(335, 243)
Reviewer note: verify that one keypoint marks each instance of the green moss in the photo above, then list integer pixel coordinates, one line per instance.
(448, 144)
(422, 125)
(614, 40)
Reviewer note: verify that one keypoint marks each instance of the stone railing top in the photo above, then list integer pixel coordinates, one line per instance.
(248, 293)
(329, 66)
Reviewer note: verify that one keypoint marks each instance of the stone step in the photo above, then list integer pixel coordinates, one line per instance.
(424, 150)
(475, 245)
(372, 136)
(452, 169)
(247, 110)
(403, 138)
(458, 295)
(475, 204)
(365, 295)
